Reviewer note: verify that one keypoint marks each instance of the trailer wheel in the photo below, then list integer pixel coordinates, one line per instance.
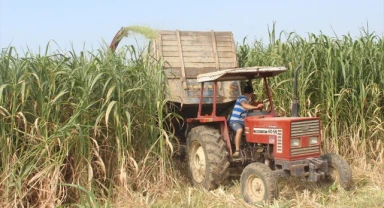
(207, 157)
(258, 183)
(338, 171)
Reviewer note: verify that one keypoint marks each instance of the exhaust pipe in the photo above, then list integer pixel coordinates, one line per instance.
(295, 104)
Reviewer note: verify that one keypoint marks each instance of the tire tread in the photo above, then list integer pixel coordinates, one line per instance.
(216, 158)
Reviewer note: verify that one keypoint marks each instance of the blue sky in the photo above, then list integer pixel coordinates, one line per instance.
(85, 23)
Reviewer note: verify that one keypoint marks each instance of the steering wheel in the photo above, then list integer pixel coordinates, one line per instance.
(246, 113)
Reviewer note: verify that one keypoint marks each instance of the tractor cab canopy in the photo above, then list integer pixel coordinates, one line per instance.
(241, 74)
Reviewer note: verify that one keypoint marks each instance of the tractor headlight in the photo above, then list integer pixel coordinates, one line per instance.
(295, 142)
(313, 140)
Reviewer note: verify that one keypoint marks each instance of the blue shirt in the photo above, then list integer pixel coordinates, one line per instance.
(238, 109)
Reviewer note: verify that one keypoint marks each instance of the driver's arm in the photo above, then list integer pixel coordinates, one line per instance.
(251, 107)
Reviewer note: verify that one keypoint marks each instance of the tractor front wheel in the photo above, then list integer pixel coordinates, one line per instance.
(207, 157)
(339, 171)
(258, 184)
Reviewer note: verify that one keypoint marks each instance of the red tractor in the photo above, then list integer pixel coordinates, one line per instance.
(272, 146)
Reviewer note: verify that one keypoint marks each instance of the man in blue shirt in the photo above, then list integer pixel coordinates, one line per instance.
(236, 121)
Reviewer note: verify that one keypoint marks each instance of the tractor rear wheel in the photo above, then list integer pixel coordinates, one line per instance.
(339, 171)
(258, 183)
(207, 157)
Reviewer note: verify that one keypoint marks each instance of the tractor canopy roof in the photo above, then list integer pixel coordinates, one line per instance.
(241, 73)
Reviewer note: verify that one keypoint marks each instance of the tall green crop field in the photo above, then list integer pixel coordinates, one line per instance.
(341, 81)
(74, 127)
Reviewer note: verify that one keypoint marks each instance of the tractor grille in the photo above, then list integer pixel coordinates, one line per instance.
(305, 128)
(305, 150)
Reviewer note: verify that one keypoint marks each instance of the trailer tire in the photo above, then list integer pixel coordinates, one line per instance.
(338, 171)
(258, 184)
(207, 157)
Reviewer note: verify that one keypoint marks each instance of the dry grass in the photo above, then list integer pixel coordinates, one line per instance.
(367, 191)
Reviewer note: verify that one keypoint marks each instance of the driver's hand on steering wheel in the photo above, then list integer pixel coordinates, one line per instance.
(259, 106)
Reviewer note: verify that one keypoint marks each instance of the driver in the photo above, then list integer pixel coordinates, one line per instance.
(236, 121)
